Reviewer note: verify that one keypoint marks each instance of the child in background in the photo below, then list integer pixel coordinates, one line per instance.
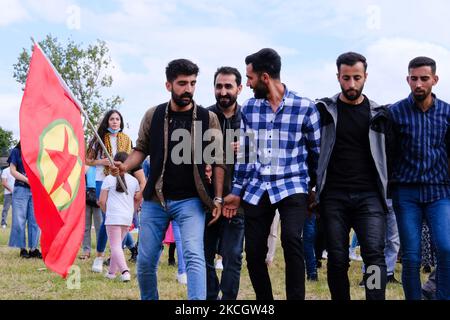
(119, 208)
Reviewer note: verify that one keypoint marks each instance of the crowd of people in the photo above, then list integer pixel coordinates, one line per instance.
(225, 176)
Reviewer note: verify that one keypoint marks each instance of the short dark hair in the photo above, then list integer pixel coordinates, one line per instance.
(350, 59)
(180, 67)
(229, 70)
(265, 60)
(422, 62)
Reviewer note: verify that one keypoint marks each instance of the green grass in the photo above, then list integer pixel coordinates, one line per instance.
(28, 279)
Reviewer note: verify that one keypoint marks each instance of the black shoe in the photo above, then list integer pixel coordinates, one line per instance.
(391, 279)
(24, 253)
(36, 254)
(134, 253)
(319, 264)
(106, 262)
(312, 277)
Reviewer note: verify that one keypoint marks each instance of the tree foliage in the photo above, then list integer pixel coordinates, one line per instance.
(6, 141)
(85, 70)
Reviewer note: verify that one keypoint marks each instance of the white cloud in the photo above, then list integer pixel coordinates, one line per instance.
(12, 11)
(10, 106)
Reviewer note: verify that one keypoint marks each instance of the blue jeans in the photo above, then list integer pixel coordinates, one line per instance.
(410, 212)
(179, 247)
(190, 216)
(7, 201)
(225, 237)
(309, 237)
(23, 213)
(102, 237)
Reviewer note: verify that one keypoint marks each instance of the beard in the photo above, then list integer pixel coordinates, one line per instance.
(226, 101)
(182, 100)
(421, 95)
(260, 90)
(352, 94)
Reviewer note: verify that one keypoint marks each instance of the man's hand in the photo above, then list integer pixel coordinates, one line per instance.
(119, 168)
(208, 173)
(104, 162)
(216, 213)
(311, 204)
(231, 205)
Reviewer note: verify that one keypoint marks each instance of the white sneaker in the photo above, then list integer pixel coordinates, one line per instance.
(125, 277)
(219, 265)
(97, 266)
(110, 276)
(182, 278)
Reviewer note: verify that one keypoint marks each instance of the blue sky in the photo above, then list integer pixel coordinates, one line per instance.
(144, 35)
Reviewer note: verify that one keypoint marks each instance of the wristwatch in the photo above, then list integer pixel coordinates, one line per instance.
(218, 200)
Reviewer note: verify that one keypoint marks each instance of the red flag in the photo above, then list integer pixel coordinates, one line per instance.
(52, 140)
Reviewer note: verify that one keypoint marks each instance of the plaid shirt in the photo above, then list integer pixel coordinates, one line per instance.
(422, 146)
(285, 153)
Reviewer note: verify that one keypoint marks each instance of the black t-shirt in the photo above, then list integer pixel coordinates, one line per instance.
(351, 165)
(178, 180)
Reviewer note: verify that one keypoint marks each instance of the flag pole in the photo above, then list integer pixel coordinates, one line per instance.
(83, 112)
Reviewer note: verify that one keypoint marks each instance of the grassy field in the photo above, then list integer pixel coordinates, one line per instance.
(29, 279)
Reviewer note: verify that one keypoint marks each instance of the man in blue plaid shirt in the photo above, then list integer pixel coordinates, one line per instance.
(279, 151)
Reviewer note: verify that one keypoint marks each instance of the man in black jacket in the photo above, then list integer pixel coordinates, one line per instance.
(227, 236)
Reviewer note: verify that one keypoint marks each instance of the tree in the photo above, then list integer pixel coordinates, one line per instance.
(85, 70)
(6, 141)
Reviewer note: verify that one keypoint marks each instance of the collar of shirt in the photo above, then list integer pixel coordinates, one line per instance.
(266, 102)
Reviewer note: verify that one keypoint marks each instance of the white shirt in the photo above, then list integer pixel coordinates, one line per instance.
(99, 174)
(119, 206)
(6, 174)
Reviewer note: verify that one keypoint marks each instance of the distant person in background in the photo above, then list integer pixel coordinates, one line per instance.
(93, 213)
(8, 183)
(22, 210)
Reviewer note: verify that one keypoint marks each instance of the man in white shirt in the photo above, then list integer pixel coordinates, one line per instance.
(8, 184)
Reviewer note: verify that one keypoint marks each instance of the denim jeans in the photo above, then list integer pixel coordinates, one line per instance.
(179, 247)
(392, 243)
(22, 214)
(190, 216)
(309, 236)
(225, 237)
(410, 213)
(258, 219)
(102, 237)
(362, 211)
(6, 205)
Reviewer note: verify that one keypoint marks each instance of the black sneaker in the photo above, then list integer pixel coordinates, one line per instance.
(134, 253)
(36, 254)
(391, 279)
(106, 262)
(24, 253)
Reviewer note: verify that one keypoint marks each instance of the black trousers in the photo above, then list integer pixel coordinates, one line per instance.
(362, 211)
(258, 220)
